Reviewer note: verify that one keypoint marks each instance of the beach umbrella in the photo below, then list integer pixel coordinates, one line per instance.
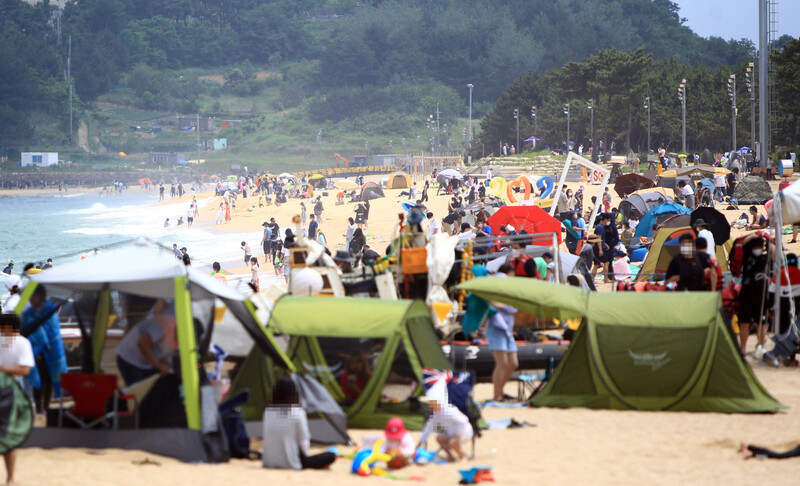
(122, 154)
(346, 185)
(214, 177)
(286, 175)
(144, 180)
(532, 219)
(316, 177)
(717, 223)
(630, 183)
(450, 174)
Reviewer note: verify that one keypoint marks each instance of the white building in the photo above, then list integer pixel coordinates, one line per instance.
(39, 159)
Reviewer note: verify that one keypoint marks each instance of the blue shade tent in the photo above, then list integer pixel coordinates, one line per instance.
(706, 183)
(658, 215)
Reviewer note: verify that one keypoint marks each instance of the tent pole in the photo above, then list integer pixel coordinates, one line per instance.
(188, 352)
(777, 218)
(25, 297)
(561, 181)
(100, 327)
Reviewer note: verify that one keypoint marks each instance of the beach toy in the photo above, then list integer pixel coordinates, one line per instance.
(365, 458)
(545, 185)
(476, 474)
(424, 456)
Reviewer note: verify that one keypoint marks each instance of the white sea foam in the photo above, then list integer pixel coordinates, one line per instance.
(93, 209)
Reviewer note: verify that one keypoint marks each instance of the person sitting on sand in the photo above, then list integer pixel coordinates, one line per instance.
(757, 221)
(451, 426)
(286, 424)
(399, 443)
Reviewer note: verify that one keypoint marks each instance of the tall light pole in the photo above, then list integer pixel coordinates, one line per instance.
(469, 131)
(647, 107)
(419, 143)
(366, 146)
(590, 106)
(749, 81)
(516, 117)
(682, 99)
(438, 145)
(319, 150)
(566, 112)
(535, 117)
(734, 110)
(764, 24)
(390, 146)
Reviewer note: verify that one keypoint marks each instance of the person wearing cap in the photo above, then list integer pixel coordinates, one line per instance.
(703, 232)
(451, 426)
(399, 443)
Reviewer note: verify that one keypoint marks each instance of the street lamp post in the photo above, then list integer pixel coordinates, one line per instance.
(566, 112)
(319, 150)
(535, 117)
(469, 140)
(390, 146)
(750, 85)
(590, 106)
(682, 99)
(366, 146)
(516, 117)
(734, 110)
(647, 107)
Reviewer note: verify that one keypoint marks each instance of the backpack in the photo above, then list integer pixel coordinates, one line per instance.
(519, 267)
(736, 256)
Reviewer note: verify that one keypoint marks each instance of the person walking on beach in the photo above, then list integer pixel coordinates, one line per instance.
(425, 188)
(303, 213)
(172, 191)
(247, 252)
(500, 334)
(227, 213)
(189, 216)
(254, 274)
(161, 193)
(220, 214)
(318, 209)
(366, 214)
(266, 241)
(351, 228)
(16, 359)
(312, 228)
(360, 215)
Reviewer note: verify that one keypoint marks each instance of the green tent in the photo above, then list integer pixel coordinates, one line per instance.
(535, 297)
(396, 340)
(648, 351)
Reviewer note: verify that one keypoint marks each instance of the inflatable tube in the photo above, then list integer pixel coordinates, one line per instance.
(478, 358)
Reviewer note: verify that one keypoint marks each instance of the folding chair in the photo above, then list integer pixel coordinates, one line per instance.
(460, 385)
(90, 394)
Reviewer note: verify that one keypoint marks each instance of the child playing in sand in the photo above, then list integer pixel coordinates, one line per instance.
(399, 443)
(452, 427)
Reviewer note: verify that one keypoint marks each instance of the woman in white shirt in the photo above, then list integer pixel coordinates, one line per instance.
(286, 434)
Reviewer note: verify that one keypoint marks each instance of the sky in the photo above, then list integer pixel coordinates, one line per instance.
(736, 19)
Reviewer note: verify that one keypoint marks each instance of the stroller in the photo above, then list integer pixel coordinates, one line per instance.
(459, 394)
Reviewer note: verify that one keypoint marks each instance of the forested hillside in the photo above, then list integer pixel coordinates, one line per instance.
(351, 57)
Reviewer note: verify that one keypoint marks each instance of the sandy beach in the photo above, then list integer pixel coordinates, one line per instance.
(572, 446)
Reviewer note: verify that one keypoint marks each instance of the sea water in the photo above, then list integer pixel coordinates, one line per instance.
(38, 227)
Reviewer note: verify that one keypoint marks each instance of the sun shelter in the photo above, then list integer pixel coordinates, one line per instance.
(641, 351)
(368, 353)
(399, 180)
(533, 219)
(665, 246)
(370, 191)
(752, 190)
(655, 351)
(123, 284)
(658, 215)
(629, 183)
(637, 205)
